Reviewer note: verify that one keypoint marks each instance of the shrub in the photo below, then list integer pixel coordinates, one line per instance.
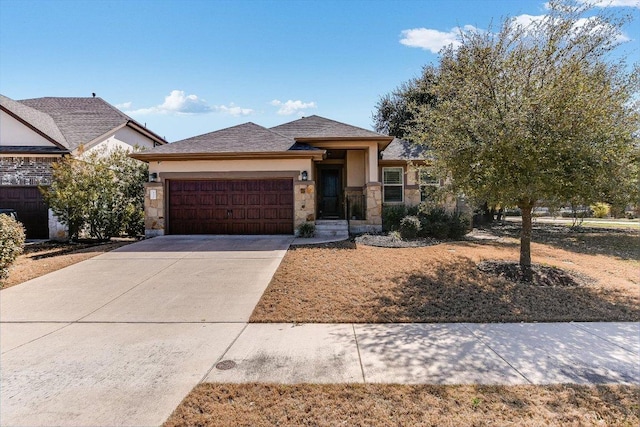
(410, 227)
(459, 225)
(392, 215)
(436, 222)
(306, 230)
(601, 210)
(11, 243)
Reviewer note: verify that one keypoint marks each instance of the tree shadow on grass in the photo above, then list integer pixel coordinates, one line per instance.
(457, 291)
(622, 244)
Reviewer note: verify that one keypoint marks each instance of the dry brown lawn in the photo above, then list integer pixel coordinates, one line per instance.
(354, 283)
(42, 258)
(259, 405)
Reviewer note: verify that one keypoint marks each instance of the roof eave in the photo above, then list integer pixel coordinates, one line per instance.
(302, 154)
(150, 134)
(33, 128)
(382, 141)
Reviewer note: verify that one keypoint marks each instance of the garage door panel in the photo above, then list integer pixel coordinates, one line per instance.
(269, 199)
(231, 206)
(31, 208)
(238, 199)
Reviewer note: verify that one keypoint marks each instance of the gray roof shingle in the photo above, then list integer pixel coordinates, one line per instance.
(37, 119)
(245, 138)
(320, 127)
(81, 120)
(399, 149)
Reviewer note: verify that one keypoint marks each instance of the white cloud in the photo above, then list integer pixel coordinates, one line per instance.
(525, 20)
(234, 110)
(612, 3)
(124, 106)
(433, 40)
(177, 102)
(292, 107)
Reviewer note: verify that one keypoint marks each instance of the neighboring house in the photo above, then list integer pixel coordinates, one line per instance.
(35, 133)
(248, 179)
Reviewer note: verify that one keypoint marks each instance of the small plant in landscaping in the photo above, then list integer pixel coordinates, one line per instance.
(410, 227)
(11, 243)
(306, 230)
(392, 215)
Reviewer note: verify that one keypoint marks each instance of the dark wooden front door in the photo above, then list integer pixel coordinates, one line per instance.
(242, 206)
(31, 209)
(331, 191)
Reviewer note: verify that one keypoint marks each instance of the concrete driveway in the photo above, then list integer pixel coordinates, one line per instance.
(121, 338)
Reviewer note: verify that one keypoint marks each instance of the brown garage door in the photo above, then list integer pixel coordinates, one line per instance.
(31, 208)
(244, 206)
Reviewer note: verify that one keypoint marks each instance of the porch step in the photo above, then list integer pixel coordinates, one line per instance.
(332, 228)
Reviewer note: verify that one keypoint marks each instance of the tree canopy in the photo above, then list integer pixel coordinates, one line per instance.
(531, 113)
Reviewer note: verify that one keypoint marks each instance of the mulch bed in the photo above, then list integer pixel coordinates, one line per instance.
(391, 241)
(541, 275)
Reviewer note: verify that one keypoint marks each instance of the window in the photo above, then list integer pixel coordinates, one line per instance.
(429, 183)
(392, 185)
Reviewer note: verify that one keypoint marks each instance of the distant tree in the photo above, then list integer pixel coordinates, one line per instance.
(537, 112)
(395, 112)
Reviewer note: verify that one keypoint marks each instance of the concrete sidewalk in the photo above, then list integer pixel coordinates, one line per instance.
(517, 353)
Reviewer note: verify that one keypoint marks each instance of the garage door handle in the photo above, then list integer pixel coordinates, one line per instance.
(229, 213)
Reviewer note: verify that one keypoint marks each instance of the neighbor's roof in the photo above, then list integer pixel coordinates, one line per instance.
(41, 122)
(316, 127)
(82, 120)
(400, 149)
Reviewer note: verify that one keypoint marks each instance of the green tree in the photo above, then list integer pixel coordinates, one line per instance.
(101, 192)
(395, 112)
(537, 112)
(66, 196)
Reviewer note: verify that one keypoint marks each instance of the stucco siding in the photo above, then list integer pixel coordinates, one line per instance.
(258, 165)
(124, 138)
(13, 132)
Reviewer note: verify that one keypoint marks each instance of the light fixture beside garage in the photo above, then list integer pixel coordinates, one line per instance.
(305, 175)
(153, 177)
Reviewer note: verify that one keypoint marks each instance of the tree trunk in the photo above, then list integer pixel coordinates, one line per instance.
(525, 241)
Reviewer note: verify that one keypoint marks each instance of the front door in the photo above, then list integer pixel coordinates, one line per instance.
(331, 190)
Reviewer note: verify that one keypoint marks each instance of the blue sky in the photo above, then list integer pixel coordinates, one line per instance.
(190, 67)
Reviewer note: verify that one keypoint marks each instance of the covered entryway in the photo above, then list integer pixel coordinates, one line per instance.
(238, 206)
(31, 208)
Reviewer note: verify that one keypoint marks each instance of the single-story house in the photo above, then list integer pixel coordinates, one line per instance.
(248, 179)
(35, 133)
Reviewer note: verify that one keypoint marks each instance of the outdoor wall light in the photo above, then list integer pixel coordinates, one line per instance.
(305, 175)
(153, 177)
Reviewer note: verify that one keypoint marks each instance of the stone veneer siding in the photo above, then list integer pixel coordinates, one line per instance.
(304, 203)
(153, 210)
(26, 170)
(373, 221)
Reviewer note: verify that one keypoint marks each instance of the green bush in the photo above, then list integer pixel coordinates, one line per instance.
(392, 215)
(11, 243)
(459, 225)
(409, 227)
(436, 222)
(601, 210)
(306, 230)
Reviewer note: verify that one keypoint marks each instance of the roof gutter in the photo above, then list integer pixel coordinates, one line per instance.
(382, 141)
(293, 154)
